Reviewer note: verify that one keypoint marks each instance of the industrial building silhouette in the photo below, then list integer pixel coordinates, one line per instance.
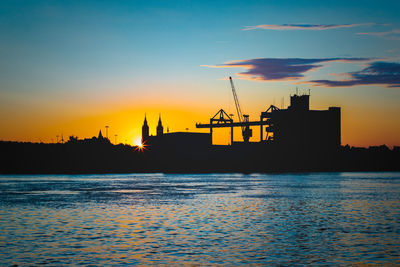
(299, 127)
(294, 128)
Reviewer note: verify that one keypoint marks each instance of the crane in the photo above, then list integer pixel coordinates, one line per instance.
(243, 118)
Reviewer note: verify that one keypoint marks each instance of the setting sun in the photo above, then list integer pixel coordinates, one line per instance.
(138, 142)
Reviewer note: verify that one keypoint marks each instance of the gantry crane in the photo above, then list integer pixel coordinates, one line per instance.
(243, 118)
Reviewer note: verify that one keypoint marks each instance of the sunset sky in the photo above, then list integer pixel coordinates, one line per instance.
(73, 67)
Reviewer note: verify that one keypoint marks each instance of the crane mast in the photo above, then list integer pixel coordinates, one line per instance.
(243, 118)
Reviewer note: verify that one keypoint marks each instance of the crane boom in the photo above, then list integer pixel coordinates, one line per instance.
(238, 109)
(246, 131)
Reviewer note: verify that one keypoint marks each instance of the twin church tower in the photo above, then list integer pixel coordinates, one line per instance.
(145, 129)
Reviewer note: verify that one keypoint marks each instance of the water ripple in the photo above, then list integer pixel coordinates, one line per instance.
(216, 219)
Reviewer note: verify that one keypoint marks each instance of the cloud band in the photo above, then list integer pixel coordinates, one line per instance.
(280, 69)
(304, 26)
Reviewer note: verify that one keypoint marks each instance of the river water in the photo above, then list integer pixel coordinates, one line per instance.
(209, 219)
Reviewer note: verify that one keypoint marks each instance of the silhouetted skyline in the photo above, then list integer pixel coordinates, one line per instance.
(73, 67)
(291, 140)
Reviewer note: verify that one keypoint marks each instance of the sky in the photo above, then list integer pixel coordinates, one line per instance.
(74, 67)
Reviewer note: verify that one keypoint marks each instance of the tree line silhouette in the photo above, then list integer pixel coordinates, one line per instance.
(100, 156)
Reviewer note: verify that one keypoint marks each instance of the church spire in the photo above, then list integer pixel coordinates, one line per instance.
(159, 119)
(160, 128)
(145, 130)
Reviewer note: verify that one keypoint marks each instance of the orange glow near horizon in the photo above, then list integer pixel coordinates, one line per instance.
(39, 122)
(126, 124)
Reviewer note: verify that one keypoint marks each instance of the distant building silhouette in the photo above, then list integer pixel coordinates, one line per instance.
(176, 140)
(145, 130)
(100, 136)
(99, 140)
(160, 128)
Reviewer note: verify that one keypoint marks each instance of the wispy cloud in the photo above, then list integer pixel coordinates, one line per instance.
(382, 73)
(393, 34)
(304, 26)
(276, 69)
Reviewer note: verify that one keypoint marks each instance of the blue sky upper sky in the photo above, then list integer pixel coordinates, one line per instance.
(65, 60)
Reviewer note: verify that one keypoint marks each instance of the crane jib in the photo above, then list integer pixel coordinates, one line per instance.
(246, 131)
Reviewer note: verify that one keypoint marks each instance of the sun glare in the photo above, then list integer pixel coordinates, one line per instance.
(138, 142)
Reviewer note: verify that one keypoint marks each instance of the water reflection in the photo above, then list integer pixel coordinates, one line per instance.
(231, 219)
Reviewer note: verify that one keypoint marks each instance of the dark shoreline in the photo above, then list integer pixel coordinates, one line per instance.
(194, 173)
(105, 158)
